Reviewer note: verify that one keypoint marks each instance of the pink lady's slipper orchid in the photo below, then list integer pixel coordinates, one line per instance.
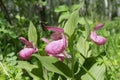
(57, 47)
(28, 50)
(57, 32)
(99, 40)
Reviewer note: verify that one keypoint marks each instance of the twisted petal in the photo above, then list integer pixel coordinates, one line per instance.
(99, 26)
(63, 55)
(56, 29)
(66, 55)
(56, 36)
(26, 42)
(28, 50)
(99, 40)
(45, 40)
(65, 41)
(60, 56)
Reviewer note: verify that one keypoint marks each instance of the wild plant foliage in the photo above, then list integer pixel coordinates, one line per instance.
(77, 45)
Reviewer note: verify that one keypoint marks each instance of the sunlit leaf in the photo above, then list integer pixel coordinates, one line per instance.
(17, 16)
(61, 8)
(52, 64)
(83, 22)
(63, 17)
(32, 34)
(85, 65)
(72, 22)
(83, 47)
(98, 71)
(77, 6)
(87, 24)
(43, 3)
(33, 70)
(26, 65)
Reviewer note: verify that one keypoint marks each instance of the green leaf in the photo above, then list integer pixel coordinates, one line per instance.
(43, 3)
(33, 70)
(26, 65)
(32, 34)
(87, 23)
(63, 17)
(98, 71)
(75, 6)
(55, 76)
(61, 8)
(85, 65)
(83, 47)
(71, 24)
(34, 76)
(18, 17)
(52, 64)
(83, 22)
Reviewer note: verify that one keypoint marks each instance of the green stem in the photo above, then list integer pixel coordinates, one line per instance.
(72, 66)
(73, 55)
(88, 72)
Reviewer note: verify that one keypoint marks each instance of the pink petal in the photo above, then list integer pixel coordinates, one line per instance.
(66, 55)
(45, 40)
(26, 53)
(99, 40)
(26, 42)
(60, 57)
(55, 47)
(99, 26)
(93, 35)
(23, 40)
(56, 36)
(35, 50)
(60, 30)
(63, 55)
(65, 41)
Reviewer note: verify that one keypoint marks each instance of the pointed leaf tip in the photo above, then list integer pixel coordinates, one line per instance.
(32, 33)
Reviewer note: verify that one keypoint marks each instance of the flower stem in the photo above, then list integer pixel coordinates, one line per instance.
(73, 66)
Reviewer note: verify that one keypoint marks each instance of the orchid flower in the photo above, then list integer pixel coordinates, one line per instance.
(28, 50)
(99, 40)
(57, 47)
(57, 32)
